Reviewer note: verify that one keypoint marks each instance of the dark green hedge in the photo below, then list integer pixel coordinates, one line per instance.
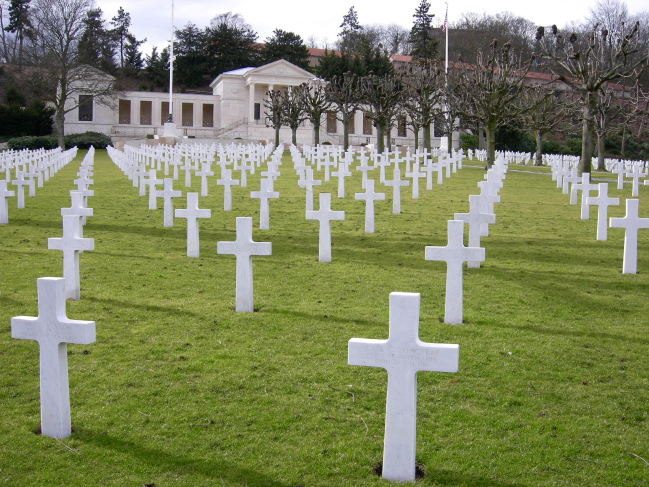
(34, 120)
(82, 141)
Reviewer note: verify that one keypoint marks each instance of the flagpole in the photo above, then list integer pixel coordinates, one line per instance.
(169, 128)
(446, 29)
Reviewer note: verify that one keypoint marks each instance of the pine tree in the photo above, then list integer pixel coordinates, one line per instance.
(19, 23)
(424, 45)
(350, 32)
(97, 45)
(121, 23)
(288, 46)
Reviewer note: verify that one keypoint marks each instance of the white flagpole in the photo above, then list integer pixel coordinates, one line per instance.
(171, 66)
(446, 28)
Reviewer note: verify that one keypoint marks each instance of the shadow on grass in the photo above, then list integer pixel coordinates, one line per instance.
(446, 477)
(566, 332)
(163, 461)
(322, 317)
(147, 307)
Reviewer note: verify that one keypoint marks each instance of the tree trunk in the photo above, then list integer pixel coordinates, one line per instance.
(490, 132)
(427, 137)
(388, 142)
(482, 142)
(346, 134)
(623, 148)
(294, 136)
(415, 130)
(449, 143)
(587, 134)
(59, 119)
(379, 138)
(316, 134)
(600, 152)
(277, 136)
(539, 145)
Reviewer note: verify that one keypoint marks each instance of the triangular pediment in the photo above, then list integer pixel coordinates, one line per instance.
(280, 68)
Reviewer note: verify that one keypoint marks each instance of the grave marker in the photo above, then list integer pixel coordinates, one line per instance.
(402, 355)
(53, 331)
(370, 197)
(325, 216)
(244, 248)
(4, 207)
(602, 201)
(167, 193)
(455, 254)
(192, 213)
(631, 224)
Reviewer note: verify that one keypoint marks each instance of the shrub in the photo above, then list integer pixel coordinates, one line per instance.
(82, 141)
(468, 141)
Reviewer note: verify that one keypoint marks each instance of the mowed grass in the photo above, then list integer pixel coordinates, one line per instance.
(180, 390)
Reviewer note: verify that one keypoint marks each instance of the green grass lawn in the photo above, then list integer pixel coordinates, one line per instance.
(179, 390)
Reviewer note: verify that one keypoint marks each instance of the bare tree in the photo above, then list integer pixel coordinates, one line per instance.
(274, 104)
(293, 108)
(607, 113)
(343, 93)
(421, 96)
(316, 105)
(545, 113)
(381, 98)
(447, 111)
(586, 63)
(488, 92)
(58, 25)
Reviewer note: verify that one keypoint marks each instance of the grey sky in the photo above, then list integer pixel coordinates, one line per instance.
(151, 18)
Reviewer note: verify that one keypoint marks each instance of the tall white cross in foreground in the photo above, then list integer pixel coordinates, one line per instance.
(192, 213)
(53, 331)
(631, 224)
(402, 355)
(325, 215)
(244, 248)
(455, 254)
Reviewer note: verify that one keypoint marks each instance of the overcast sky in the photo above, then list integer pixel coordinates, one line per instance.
(151, 18)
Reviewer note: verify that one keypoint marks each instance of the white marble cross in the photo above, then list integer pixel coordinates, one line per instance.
(341, 174)
(227, 182)
(620, 171)
(325, 215)
(53, 331)
(402, 355)
(264, 194)
(567, 180)
(585, 187)
(486, 206)
(20, 184)
(204, 173)
(77, 209)
(474, 219)
(167, 193)
(192, 213)
(309, 183)
(152, 182)
(636, 174)
(369, 196)
(602, 201)
(4, 195)
(187, 167)
(244, 248)
(631, 224)
(396, 184)
(71, 243)
(455, 254)
(415, 174)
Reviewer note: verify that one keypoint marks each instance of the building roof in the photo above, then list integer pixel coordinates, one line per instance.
(239, 71)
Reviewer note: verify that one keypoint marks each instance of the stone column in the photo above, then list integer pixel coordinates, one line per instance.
(251, 111)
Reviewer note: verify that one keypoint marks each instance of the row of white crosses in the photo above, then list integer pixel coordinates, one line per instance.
(30, 171)
(631, 222)
(51, 328)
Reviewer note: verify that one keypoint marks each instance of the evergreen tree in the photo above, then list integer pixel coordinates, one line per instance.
(350, 32)
(133, 62)
(229, 47)
(97, 45)
(121, 23)
(19, 23)
(157, 67)
(424, 45)
(287, 46)
(189, 49)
